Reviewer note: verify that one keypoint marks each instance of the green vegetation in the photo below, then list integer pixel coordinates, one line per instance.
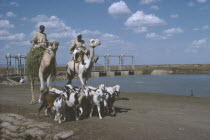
(33, 61)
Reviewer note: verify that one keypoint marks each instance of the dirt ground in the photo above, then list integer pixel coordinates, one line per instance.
(142, 116)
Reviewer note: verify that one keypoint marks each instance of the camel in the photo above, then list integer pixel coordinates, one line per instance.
(82, 70)
(46, 69)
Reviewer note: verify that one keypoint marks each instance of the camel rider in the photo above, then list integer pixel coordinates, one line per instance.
(40, 39)
(78, 48)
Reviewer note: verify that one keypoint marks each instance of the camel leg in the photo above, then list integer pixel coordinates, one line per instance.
(48, 81)
(99, 111)
(85, 80)
(33, 100)
(70, 77)
(91, 112)
(81, 79)
(81, 111)
(76, 113)
(41, 78)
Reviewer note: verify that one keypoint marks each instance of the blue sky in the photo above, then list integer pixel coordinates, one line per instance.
(154, 31)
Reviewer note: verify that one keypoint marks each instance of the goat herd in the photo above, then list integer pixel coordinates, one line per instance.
(79, 102)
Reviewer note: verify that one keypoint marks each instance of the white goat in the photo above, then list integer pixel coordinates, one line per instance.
(97, 97)
(115, 90)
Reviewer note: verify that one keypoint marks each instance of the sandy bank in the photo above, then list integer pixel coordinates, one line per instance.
(144, 116)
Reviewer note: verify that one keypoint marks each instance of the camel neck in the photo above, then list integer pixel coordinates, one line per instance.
(90, 60)
(92, 53)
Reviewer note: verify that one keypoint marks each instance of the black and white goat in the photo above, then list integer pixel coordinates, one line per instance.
(73, 100)
(59, 107)
(113, 95)
(59, 104)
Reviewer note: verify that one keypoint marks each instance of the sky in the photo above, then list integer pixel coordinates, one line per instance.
(154, 31)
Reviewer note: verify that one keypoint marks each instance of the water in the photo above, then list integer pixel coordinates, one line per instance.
(196, 85)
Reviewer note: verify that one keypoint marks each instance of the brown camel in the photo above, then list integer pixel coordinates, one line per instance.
(47, 69)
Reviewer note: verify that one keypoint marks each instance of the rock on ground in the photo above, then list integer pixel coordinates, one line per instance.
(14, 126)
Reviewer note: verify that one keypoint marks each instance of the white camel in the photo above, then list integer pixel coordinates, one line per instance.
(82, 70)
(46, 69)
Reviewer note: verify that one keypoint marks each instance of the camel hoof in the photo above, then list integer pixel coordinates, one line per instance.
(41, 89)
(33, 102)
(39, 101)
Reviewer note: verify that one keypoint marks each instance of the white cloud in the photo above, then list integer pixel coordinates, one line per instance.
(4, 32)
(191, 50)
(54, 23)
(56, 27)
(191, 4)
(166, 34)
(109, 39)
(139, 19)
(10, 14)
(201, 1)
(14, 3)
(24, 19)
(110, 36)
(17, 36)
(94, 1)
(115, 44)
(199, 43)
(173, 31)
(39, 18)
(196, 29)
(5, 24)
(148, 1)
(174, 16)
(205, 27)
(20, 43)
(154, 7)
(119, 9)
(155, 36)
(89, 32)
(140, 29)
(59, 35)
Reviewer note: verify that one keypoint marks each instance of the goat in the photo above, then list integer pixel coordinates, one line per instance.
(73, 99)
(48, 101)
(59, 106)
(55, 99)
(97, 97)
(114, 93)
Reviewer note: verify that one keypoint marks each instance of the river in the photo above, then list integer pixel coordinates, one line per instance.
(190, 85)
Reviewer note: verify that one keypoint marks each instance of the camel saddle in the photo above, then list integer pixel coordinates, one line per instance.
(79, 58)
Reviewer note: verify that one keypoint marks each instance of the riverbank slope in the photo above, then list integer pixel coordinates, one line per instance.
(144, 116)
